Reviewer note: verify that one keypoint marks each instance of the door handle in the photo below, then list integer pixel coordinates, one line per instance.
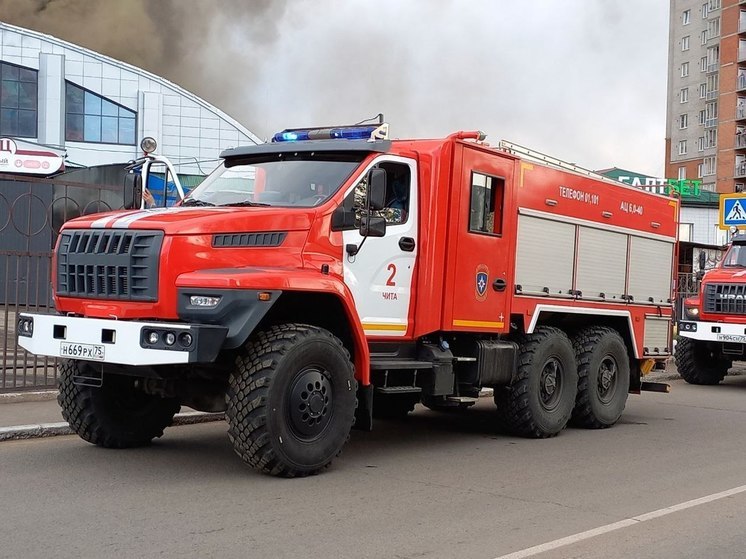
(499, 284)
(406, 244)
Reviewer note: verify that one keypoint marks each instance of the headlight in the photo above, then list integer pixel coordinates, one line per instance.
(204, 301)
(692, 312)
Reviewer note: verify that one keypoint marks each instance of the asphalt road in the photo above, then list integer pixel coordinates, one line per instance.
(435, 485)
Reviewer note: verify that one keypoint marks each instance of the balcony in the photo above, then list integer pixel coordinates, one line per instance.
(740, 140)
(740, 170)
(741, 82)
(711, 122)
(711, 95)
(741, 113)
(711, 68)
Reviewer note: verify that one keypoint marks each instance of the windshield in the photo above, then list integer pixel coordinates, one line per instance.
(285, 180)
(735, 257)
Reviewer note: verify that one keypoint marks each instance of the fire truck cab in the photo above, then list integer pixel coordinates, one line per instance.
(333, 275)
(712, 330)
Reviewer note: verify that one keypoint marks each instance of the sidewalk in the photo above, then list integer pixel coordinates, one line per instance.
(37, 414)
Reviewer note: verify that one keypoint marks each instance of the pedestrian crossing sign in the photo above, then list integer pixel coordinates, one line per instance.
(732, 210)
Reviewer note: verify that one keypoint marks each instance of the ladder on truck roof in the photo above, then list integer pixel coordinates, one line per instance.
(534, 155)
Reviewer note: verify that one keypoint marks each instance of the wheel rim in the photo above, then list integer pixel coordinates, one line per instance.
(310, 403)
(551, 384)
(608, 375)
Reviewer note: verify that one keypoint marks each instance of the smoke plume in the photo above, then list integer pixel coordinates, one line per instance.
(207, 47)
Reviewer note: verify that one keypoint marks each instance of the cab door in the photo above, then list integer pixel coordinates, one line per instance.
(380, 274)
(481, 281)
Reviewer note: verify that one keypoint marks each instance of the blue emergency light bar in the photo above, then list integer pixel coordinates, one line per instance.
(336, 133)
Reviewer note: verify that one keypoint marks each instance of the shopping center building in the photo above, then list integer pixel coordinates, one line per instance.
(61, 100)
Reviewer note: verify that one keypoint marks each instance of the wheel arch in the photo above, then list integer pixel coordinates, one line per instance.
(573, 319)
(325, 310)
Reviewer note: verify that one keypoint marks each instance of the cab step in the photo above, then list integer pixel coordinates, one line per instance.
(398, 389)
(462, 399)
(399, 365)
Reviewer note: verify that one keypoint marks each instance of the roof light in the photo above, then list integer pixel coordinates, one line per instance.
(367, 132)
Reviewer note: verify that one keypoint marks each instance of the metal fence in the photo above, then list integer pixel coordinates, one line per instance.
(31, 213)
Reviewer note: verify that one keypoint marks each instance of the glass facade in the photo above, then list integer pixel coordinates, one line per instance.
(92, 118)
(19, 100)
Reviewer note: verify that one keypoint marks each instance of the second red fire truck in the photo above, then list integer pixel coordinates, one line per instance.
(333, 275)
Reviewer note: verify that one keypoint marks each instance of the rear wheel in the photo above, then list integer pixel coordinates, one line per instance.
(700, 362)
(539, 402)
(115, 415)
(291, 400)
(603, 377)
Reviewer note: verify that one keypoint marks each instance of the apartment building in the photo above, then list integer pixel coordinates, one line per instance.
(706, 113)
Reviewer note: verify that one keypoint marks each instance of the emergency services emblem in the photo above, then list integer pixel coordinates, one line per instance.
(483, 274)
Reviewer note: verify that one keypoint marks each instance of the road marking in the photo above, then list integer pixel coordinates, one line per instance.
(588, 534)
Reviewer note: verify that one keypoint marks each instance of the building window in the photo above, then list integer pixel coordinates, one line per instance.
(711, 138)
(685, 43)
(709, 168)
(686, 230)
(684, 69)
(685, 17)
(19, 100)
(701, 144)
(699, 171)
(92, 118)
(702, 116)
(702, 90)
(486, 211)
(705, 10)
(683, 121)
(682, 147)
(703, 37)
(682, 173)
(713, 28)
(684, 94)
(714, 5)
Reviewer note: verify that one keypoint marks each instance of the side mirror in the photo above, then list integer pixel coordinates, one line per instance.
(376, 199)
(132, 194)
(343, 218)
(373, 227)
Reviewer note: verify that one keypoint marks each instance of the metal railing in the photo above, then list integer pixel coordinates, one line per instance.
(32, 212)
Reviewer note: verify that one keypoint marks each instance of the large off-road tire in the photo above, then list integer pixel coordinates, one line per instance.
(393, 406)
(115, 415)
(539, 403)
(603, 377)
(291, 400)
(699, 362)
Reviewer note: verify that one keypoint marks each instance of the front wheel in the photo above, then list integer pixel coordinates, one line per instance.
(699, 362)
(291, 400)
(115, 415)
(539, 402)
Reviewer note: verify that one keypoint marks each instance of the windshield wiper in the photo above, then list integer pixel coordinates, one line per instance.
(196, 202)
(246, 203)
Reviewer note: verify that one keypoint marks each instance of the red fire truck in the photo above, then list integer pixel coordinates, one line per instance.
(712, 329)
(333, 275)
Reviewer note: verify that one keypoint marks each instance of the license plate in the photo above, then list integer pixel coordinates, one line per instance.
(734, 338)
(93, 352)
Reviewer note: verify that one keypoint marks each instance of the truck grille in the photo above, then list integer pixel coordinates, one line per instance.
(109, 264)
(726, 298)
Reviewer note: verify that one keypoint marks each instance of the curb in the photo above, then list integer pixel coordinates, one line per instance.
(33, 396)
(41, 430)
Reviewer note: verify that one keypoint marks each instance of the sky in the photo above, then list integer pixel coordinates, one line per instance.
(581, 80)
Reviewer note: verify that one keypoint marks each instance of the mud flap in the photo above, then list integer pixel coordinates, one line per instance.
(364, 411)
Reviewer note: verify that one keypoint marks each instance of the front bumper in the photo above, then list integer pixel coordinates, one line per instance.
(713, 331)
(123, 342)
